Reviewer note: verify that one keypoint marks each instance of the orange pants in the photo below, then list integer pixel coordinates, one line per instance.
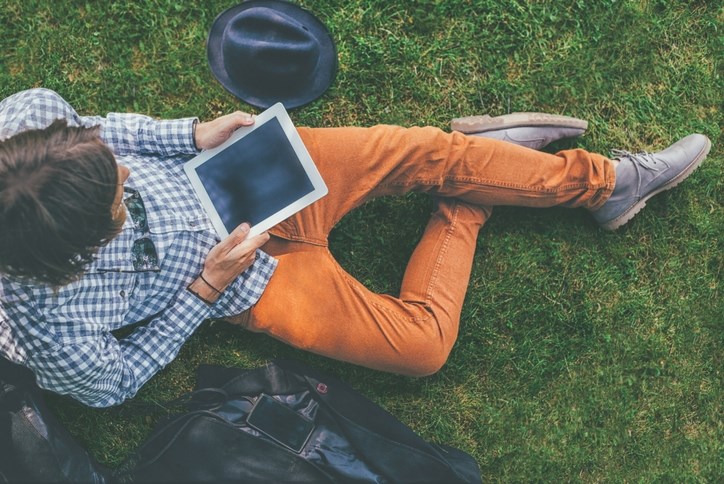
(313, 304)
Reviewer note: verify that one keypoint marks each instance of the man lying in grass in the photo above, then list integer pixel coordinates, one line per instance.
(100, 229)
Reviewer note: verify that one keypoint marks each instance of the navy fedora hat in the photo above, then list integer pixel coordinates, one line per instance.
(269, 51)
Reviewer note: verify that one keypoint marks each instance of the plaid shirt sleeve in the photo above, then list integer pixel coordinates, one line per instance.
(103, 371)
(123, 133)
(136, 133)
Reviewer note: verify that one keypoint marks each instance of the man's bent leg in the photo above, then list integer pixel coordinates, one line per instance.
(313, 304)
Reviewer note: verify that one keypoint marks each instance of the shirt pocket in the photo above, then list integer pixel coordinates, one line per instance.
(164, 223)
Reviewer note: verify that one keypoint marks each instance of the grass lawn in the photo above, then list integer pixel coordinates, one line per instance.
(583, 355)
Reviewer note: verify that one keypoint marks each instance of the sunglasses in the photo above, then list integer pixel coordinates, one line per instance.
(145, 256)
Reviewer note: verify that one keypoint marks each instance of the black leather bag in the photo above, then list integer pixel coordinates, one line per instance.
(231, 432)
(34, 447)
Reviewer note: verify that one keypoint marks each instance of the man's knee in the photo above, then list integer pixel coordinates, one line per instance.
(424, 359)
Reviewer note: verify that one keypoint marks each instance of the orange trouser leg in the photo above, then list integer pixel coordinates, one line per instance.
(312, 303)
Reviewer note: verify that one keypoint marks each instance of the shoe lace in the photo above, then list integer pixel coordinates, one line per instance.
(643, 158)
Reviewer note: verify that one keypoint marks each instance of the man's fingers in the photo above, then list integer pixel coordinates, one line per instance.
(236, 237)
(249, 245)
(253, 243)
(261, 239)
(211, 134)
(241, 232)
(240, 118)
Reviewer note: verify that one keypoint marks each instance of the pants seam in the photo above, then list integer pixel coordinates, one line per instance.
(441, 254)
(491, 183)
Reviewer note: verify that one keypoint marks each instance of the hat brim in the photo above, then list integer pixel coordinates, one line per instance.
(305, 90)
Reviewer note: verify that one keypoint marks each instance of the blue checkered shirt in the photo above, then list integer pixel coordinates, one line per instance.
(64, 335)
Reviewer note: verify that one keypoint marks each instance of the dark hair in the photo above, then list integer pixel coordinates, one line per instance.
(57, 187)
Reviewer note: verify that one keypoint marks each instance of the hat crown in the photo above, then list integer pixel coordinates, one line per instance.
(269, 51)
(269, 48)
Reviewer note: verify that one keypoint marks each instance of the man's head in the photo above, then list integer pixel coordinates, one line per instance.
(58, 187)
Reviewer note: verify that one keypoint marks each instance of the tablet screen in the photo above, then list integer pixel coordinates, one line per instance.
(255, 177)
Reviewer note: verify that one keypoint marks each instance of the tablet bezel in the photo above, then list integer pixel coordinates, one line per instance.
(320, 188)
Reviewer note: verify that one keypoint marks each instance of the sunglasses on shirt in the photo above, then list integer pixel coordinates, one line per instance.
(144, 253)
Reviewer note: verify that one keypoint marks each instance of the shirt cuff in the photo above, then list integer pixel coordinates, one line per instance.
(177, 135)
(246, 290)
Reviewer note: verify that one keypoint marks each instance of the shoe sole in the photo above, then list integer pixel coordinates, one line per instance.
(481, 124)
(626, 216)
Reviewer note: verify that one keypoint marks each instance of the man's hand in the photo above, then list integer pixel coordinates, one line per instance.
(226, 261)
(212, 133)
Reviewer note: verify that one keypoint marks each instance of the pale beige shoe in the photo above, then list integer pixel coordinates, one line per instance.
(532, 130)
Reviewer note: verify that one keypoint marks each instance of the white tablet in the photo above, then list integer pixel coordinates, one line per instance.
(261, 175)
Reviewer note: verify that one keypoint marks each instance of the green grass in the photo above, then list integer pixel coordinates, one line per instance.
(583, 355)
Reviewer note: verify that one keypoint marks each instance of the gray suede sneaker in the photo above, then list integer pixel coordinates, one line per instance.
(640, 176)
(532, 130)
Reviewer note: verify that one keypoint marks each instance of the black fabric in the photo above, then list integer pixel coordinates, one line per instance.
(34, 447)
(269, 51)
(354, 440)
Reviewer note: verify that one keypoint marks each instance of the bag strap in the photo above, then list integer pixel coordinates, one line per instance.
(202, 399)
(209, 399)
